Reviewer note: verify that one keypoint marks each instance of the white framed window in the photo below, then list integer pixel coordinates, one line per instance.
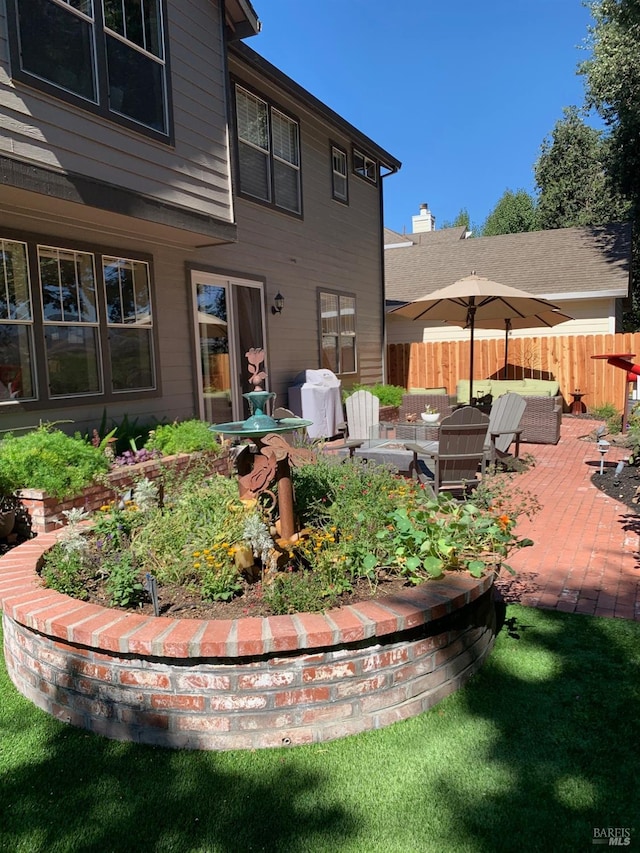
(268, 152)
(339, 186)
(108, 55)
(17, 379)
(94, 333)
(338, 332)
(364, 166)
(70, 321)
(128, 307)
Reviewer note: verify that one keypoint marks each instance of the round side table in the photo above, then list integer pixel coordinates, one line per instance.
(577, 406)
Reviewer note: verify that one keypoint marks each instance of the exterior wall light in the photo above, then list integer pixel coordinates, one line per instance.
(278, 303)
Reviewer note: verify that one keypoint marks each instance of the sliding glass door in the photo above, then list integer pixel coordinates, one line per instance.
(229, 320)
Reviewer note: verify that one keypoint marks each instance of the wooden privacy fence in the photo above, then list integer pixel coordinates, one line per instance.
(566, 358)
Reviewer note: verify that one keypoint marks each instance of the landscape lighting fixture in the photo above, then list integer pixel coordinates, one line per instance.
(603, 446)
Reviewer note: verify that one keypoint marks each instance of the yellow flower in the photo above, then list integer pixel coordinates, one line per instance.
(196, 554)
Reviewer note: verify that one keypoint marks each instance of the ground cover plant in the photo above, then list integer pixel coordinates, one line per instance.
(48, 459)
(536, 751)
(361, 528)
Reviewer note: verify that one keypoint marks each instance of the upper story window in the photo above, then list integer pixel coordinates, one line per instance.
(365, 166)
(339, 186)
(268, 152)
(108, 56)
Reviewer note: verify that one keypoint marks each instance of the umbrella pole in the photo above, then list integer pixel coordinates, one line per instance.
(507, 329)
(471, 317)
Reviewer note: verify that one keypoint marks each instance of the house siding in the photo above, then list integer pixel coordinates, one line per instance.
(192, 173)
(332, 246)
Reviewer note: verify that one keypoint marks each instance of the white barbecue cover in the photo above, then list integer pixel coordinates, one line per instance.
(315, 395)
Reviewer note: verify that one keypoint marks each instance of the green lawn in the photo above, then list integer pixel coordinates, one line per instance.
(538, 749)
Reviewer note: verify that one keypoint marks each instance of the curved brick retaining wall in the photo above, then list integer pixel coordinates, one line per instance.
(242, 683)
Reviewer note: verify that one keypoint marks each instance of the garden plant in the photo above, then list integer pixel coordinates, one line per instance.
(361, 526)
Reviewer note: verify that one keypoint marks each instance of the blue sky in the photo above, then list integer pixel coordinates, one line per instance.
(462, 92)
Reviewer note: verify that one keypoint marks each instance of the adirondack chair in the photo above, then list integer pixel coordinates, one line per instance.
(504, 427)
(460, 451)
(363, 416)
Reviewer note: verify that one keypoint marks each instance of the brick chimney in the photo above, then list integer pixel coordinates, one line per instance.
(424, 221)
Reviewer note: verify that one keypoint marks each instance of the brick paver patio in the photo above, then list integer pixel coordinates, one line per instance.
(586, 556)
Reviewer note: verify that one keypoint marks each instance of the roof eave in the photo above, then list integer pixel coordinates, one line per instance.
(265, 68)
(242, 19)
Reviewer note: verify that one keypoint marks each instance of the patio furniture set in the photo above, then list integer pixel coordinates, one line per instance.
(542, 415)
(445, 455)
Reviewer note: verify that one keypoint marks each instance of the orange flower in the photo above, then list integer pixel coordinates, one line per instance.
(504, 521)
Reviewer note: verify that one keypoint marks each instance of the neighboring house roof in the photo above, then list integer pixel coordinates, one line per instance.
(430, 238)
(568, 263)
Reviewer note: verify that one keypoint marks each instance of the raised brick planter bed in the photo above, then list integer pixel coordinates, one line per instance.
(46, 512)
(243, 683)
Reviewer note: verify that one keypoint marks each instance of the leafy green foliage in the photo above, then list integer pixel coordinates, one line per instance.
(609, 413)
(194, 532)
(574, 187)
(184, 437)
(513, 214)
(612, 75)
(462, 220)
(48, 459)
(123, 583)
(358, 520)
(389, 395)
(65, 571)
(222, 584)
(613, 86)
(298, 592)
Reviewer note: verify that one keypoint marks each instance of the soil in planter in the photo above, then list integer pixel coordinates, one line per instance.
(181, 602)
(625, 487)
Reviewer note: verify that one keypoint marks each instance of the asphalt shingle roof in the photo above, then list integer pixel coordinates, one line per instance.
(561, 261)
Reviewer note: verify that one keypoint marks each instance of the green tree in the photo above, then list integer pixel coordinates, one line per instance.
(461, 220)
(613, 86)
(613, 89)
(515, 212)
(572, 178)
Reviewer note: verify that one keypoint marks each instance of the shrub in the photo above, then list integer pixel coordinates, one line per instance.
(65, 571)
(194, 532)
(389, 395)
(358, 521)
(127, 434)
(297, 592)
(185, 437)
(609, 413)
(48, 459)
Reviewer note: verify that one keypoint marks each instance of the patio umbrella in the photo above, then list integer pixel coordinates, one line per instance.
(471, 300)
(544, 319)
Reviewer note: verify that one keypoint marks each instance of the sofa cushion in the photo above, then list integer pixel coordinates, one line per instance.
(542, 387)
(481, 387)
(504, 386)
(439, 391)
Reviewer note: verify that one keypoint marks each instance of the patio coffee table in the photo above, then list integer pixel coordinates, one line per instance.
(392, 451)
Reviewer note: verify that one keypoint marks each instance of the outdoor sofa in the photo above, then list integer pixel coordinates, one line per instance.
(542, 416)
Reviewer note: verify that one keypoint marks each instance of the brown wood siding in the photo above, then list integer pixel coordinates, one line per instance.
(567, 358)
(194, 173)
